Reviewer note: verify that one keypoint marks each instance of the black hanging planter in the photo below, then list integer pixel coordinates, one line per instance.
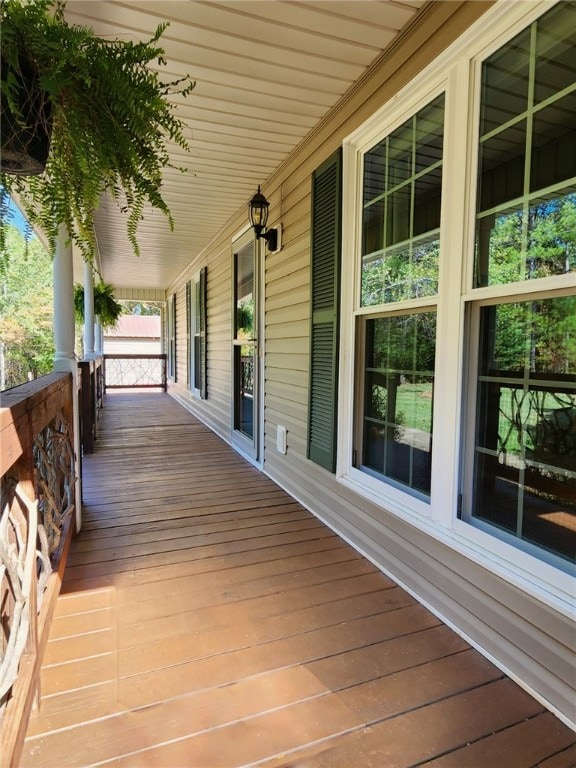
(25, 138)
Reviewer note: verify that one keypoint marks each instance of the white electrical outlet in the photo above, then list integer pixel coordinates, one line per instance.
(281, 439)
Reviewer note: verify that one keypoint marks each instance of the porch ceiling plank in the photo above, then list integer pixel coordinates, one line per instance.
(206, 618)
(266, 74)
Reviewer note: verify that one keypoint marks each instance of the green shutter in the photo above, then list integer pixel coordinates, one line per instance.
(325, 302)
(203, 344)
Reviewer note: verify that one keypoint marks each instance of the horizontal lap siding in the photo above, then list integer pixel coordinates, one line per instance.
(139, 294)
(215, 411)
(523, 635)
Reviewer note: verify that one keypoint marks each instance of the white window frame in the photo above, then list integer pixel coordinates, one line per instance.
(456, 72)
(194, 332)
(171, 328)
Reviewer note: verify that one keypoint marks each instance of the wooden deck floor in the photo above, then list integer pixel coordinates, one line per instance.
(207, 620)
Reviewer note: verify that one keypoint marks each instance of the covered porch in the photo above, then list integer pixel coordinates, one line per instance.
(207, 619)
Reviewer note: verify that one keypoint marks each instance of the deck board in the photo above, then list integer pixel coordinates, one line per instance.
(207, 620)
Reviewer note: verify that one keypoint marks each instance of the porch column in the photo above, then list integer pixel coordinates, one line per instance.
(64, 357)
(88, 311)
(98, 340)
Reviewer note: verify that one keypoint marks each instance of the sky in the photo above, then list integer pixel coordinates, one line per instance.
(17, 217)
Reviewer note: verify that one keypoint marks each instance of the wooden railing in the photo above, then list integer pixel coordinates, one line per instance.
(37, 519)
(91, 392)
(134, 371)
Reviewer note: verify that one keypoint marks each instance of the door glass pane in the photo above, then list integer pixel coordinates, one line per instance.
(525, 447)
(398, 398)
(244, 319)
(244, 348)
(244, 355)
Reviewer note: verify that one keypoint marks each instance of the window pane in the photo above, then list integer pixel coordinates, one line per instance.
(429, 138)
(398, 215)
(502, 167)
(401, 218)
(505, 82)
(427, 195)
(527, 154)
(398, 398)
(400, 145)
(553, 157)
(522, 243)
(373, 228)
(374, 173)
(555, 46)
(525, 454)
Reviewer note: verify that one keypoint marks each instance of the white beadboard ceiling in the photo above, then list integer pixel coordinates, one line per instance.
(266, 72)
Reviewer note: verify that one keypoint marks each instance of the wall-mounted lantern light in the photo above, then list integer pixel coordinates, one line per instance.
(258, 216)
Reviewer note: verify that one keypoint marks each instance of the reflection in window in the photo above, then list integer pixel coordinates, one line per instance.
(525, 447)
(526, 207)
(398, 381)
(401, 213)
(244, 346)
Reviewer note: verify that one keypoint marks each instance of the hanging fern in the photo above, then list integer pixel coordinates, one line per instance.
(112, 116)
(106, 308)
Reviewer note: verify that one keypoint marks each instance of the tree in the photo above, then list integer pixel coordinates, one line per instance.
(141, 307)
(26, 310)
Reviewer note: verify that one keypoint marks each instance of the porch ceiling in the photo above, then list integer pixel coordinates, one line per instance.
(267, 72)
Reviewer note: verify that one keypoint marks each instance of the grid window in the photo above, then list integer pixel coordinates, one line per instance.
(525, 446)
(523, 460)
(526, 209)
(401, 210)
(398, 379)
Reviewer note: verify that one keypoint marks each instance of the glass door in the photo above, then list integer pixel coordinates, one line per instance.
(245, 348)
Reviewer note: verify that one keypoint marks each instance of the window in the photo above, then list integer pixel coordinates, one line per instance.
(396, 341)
(172, 337)
(398, 379)
(457, 407)
(401, 213)
(525, 451)
(526, 207)
(523, 467)
(196, 334)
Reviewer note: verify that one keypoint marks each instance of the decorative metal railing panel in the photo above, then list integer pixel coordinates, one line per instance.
(17, 569)
(36, 515)
(54, 464)
(247, 374)
(134, 371)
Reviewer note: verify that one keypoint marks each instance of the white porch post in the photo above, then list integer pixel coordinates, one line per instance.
(65, 358)
(88, 311)
(98, 340)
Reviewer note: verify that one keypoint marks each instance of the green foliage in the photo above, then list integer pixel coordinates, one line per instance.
(141, 308)
(245, 319)
(26, 310)
(112, 120)
(106, 308)
(539, 242)
(405, 273)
